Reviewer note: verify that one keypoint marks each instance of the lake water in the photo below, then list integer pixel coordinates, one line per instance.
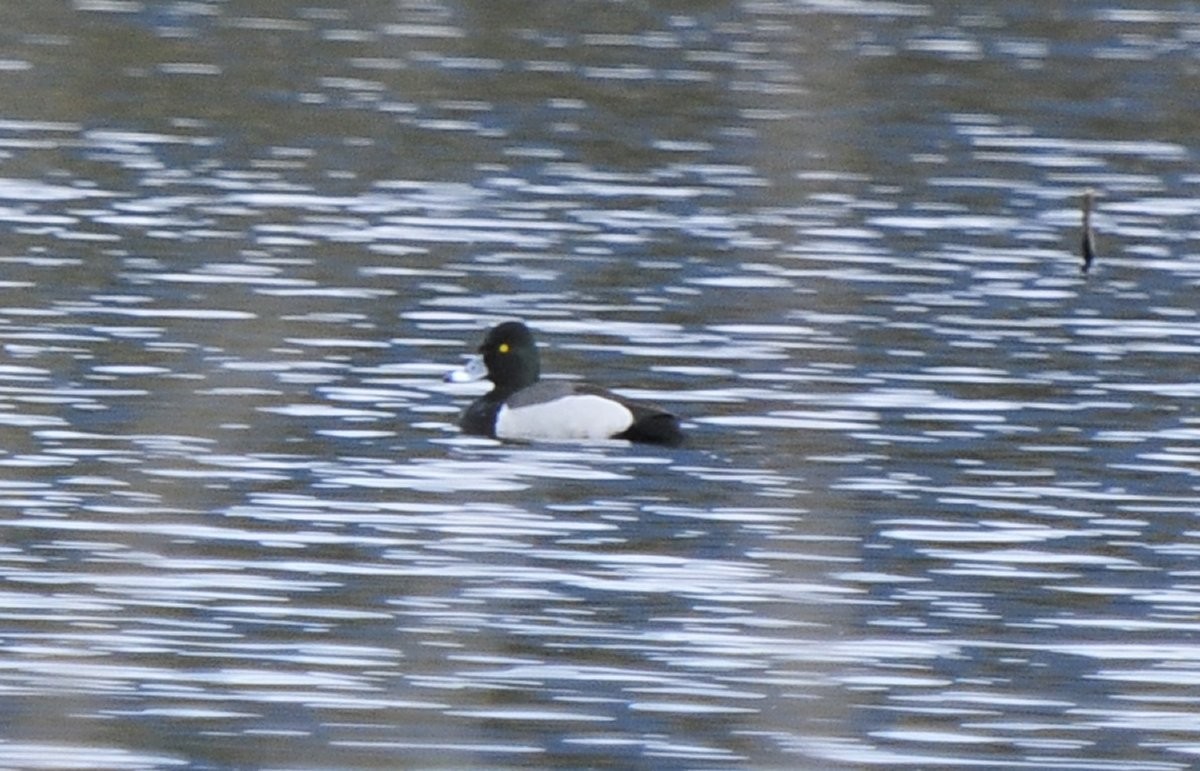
(938, 504)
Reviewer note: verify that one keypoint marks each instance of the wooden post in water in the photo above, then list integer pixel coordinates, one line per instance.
(1088, 239)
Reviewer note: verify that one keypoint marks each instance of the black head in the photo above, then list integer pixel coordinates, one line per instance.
(511, 356)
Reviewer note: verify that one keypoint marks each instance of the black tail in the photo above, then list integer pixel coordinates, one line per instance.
(654, 427)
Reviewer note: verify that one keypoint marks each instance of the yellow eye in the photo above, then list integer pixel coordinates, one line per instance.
(503, 348)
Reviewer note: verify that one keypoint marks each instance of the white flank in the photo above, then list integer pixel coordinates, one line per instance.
(580, 416)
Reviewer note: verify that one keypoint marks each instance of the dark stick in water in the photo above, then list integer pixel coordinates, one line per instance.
(1088, 240)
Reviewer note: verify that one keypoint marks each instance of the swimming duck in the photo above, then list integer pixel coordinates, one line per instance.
(520, 406)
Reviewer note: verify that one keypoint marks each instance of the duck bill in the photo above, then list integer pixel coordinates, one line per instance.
(474, 369)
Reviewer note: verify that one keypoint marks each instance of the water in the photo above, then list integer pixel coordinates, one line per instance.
(938, 503)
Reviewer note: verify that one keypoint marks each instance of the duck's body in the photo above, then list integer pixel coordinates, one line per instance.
(522, 407)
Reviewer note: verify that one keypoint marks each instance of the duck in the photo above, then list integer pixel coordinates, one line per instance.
(523, 407)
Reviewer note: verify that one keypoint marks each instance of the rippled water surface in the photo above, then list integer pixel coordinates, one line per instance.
(938, 504)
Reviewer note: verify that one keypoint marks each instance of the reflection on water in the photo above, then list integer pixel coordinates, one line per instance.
(937, 503)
